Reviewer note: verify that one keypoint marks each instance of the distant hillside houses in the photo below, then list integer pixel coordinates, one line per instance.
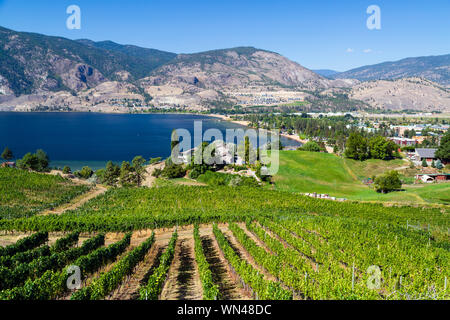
(404, 142)
(418, 128)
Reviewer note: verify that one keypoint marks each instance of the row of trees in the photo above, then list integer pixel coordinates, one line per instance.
(361, 148)
(128, 174)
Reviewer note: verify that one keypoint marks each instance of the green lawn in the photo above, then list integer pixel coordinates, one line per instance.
(326, 173)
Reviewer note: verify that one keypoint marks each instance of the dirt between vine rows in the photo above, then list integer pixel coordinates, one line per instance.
(228, 282)
(183, 281)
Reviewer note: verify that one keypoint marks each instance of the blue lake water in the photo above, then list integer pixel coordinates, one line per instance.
(79, 139)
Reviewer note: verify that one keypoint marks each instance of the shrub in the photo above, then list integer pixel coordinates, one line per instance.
(85, 173)
(390, 181)
(173, 171)
(311, 146)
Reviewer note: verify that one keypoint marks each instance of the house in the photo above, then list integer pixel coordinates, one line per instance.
(8, 165)
(436, 177)
(424, 153)
(403, 141)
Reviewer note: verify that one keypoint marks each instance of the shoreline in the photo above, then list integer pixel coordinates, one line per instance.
(247, 124)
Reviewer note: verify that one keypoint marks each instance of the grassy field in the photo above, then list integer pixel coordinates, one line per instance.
(308, 172)
(25, 194)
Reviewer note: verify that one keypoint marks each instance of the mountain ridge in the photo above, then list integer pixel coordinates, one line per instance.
(39, 72)
(435, 68)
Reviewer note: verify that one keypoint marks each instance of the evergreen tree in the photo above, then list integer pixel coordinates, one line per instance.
(126, 178)
(7, 154)
(112, 174)
(424, 163)
(138, 169)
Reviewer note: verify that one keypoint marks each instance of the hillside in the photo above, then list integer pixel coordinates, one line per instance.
(150, 58)
(433, 68)
(309, 172)
(35, 63)
(326, 72)
(403, 94)
(243, 75)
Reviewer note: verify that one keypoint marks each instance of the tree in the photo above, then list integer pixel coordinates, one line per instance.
(424, 163)
(381, 148)
(7, 154)
(28, 162)
(356, 147)
(390, 181)
(139, 169)
(433, 164)
(126, 177)
(100, 173)
(43, 160)
(112, 174)
(67, 170)
(85, 172)
(439, 165)
(443, 151)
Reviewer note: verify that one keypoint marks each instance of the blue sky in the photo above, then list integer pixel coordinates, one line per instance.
(318, 34)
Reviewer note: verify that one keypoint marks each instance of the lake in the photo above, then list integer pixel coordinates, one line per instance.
(79, 139)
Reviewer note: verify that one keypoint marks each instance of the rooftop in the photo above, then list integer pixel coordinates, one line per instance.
(426, 153)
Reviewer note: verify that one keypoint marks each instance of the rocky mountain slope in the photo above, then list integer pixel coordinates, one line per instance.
(403, 94)
(434, 68)
(34, 63)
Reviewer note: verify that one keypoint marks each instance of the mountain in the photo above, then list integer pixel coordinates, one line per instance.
(34, 63)
(327, 73)
(152, 58)
(434, 68)
(39, 72)
(243, 75)
(403, 94)
(236, 67)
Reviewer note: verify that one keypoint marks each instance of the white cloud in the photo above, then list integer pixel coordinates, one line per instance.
(349, 50)
(367, 50)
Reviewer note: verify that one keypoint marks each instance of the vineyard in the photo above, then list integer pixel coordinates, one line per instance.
(193, 242)
(24, 194)
(279, 259)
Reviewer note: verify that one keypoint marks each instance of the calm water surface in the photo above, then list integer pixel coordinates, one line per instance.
(78, 139)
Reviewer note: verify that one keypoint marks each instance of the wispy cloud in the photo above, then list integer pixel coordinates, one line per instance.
(349, 50)
(367, 50)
